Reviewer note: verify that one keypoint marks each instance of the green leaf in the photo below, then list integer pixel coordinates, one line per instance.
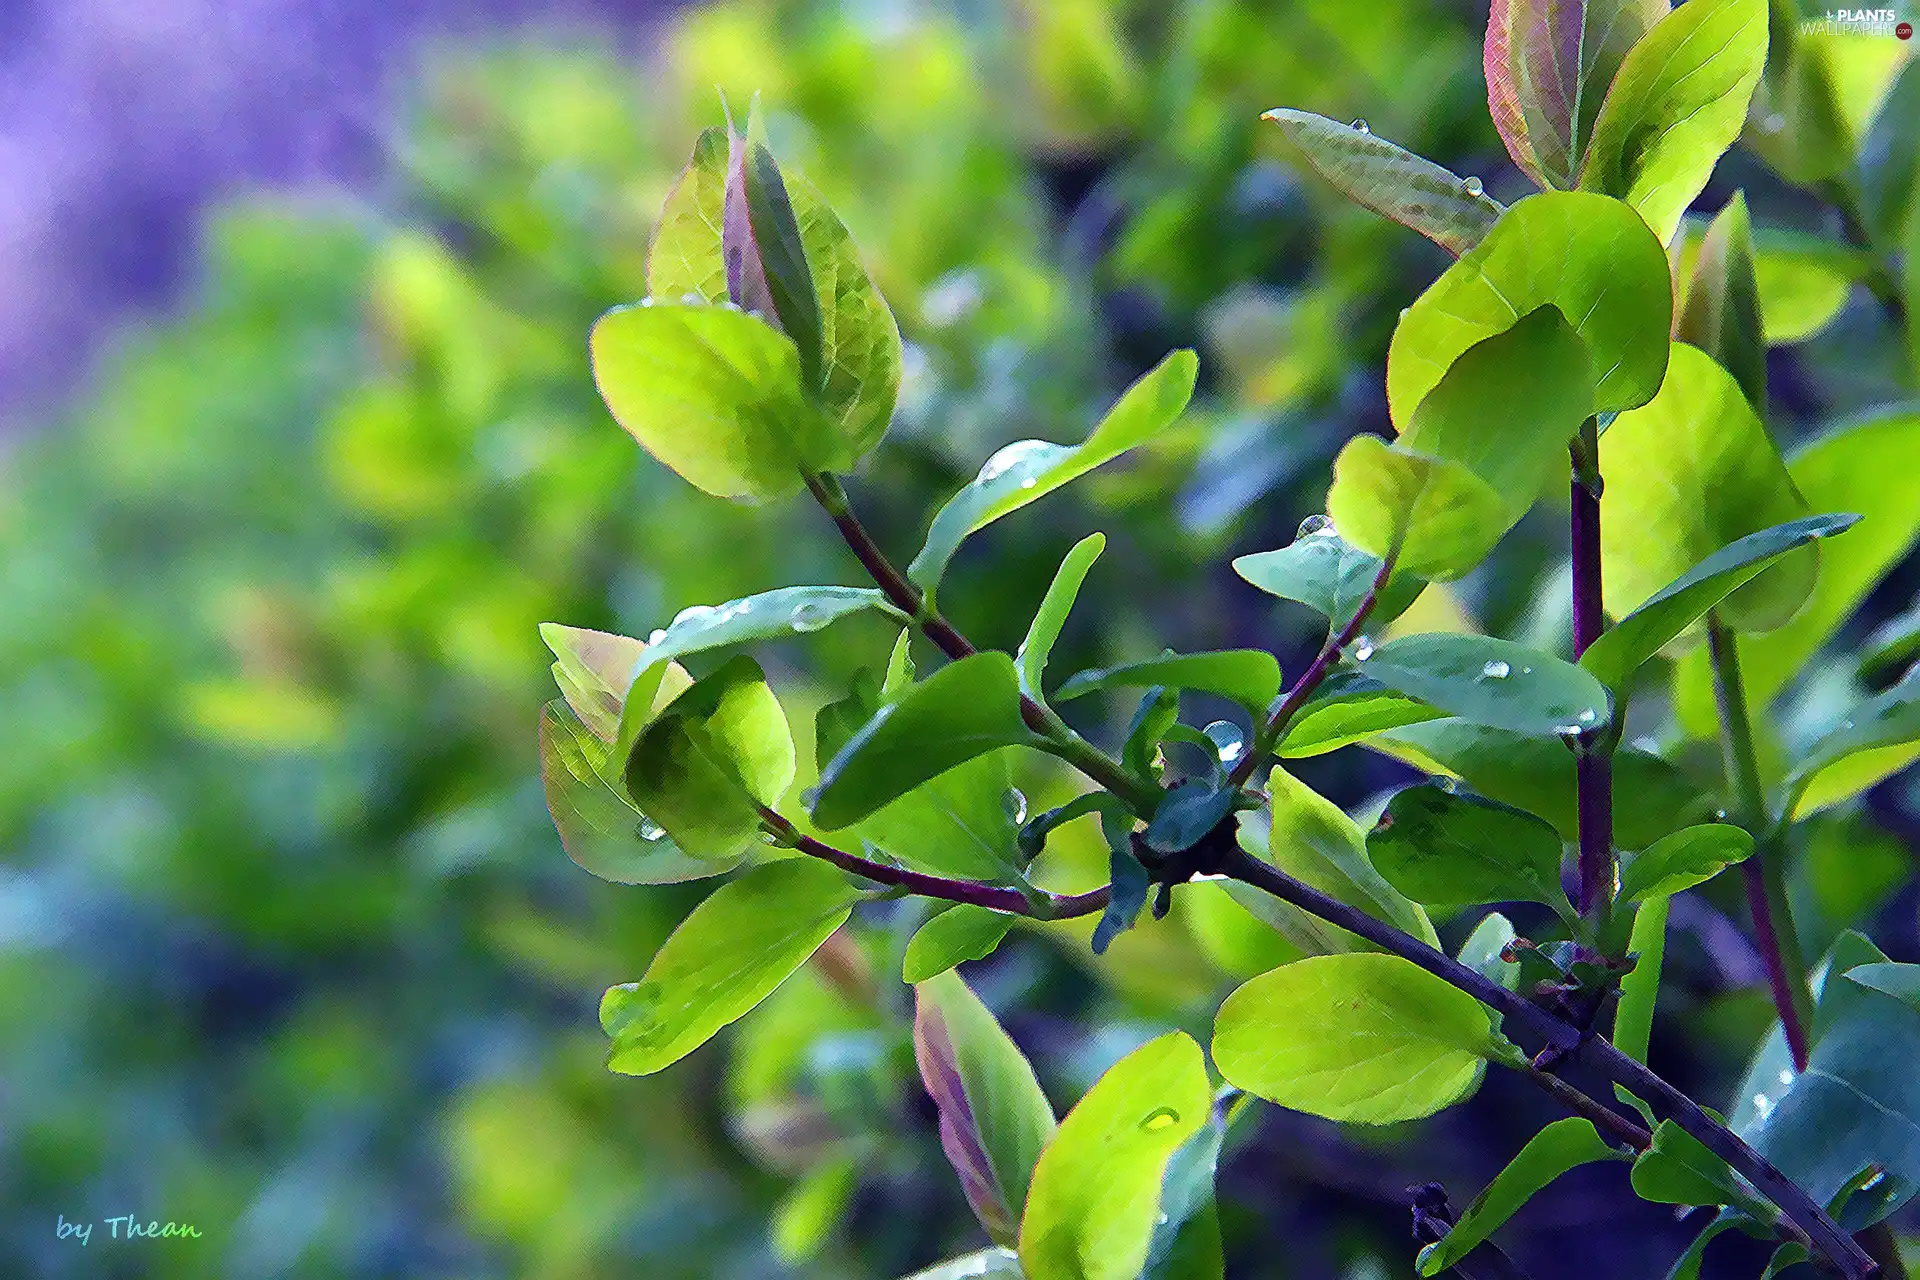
(1857, 1103)
(1721, 314)
(1665, 615)
(809, 1212)
(1029, 470)
(1675, 107)
(714, 394)
(774, 240)
(1562, 1145)
(1640, 988)
(1446, 849)
(994, 1120)
(1484, 949)
(1323, 571)
(725, 958)
(900, 669)
(1348, 707)
(1682, 860)
(1364, 1038)
(956, 935)
(720, 751)
(1901, 981)
(1438, 516)
(1591, 257)
(1678, 1169)
(1251, 677)
(1186, 1241)
(1186, 814)
(1537, 774)
(771, 615)
(988, 1264)
(1688, 474)
(1096, 1191)
(1791, 1254)
(1687, 1265)
(1815, 104)
(593, 669)
(684, 263)
(1156, 714)
(1878, 739)
(1548, 64)
(1392, 181)
(1128, 881)
(1803, 280)
(956, 824)
(1490, 682)
(1044, 631)
(963, 710)
(599, 827)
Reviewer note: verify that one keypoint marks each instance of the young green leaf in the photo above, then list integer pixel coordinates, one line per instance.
(599, 827)
(809, 1212)
(1591, 257)
(1803, 280)
(713, 394)
(1688, 474)
(1901, 981)
(1096, 1190)
(1682, 860)
(988, 1264)
(1325, 572)
(956, 935)
(1491, 682)
(1640, 987)
(594, 669)
(725, 958)
(994, 1120)
(1439, 517)
(1721, 315)
(1675, 107)
(685, 262)
(1251, 677)
(1127, 878)
(1348, 707)
(1418, 194)
(771, 234)
(771, 615)
(1029, 470)
(1446, 849)
(1880, 738)
(1678, 1169)
(963, 710)
(1665, 615)
(1311, 839)
(1485, 948)
(1044, 631)
(1370, 1039)
(717, 753)
(1548, 64)
(1562, 1145)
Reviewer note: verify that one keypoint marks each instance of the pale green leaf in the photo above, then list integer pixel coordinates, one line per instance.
(1044, 631)
(1563, 1145)
(956, 935)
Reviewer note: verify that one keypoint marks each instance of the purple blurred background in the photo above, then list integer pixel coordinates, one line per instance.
(121, 119)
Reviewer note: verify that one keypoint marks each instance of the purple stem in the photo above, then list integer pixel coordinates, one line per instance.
(1593, 765)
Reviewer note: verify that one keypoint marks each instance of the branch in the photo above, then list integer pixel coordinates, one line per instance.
(1617, 1067)
(1764, 874)
(1593, 760)
(1039, 906)
(1311, 678)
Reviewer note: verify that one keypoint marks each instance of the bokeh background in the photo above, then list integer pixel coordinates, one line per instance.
(300, 445)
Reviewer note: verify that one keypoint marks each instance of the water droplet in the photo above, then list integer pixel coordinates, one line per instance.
(646, 302)
(1762, 1104)
(1405, 312)
(658, 634)
(1473, 186)
(693, 615)
(1588, 715)
(1160, 1221)
(1009, 457)
(1567, 730)
(1363, 649)
(1013, 802)
(1719, 815)
(1160, 1118)
(734, 609)
(692, 299)
(1526, 671)
(807, 616)
(1228, 742)
(1786, 1077)
(1029, 482)
(651, 830)
(1879, 1176)
(1773, 123)
(1495, 670)
(1315, 526)
(1360, 126)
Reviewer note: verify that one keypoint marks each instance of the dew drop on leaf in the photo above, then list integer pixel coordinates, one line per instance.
(1773, 123)
(1496, 670)
(1473, 186)
(1363, 650)
(1315, 526)
(1009, 457)
(1013, 802)
(657, 635)
(692, 615)
(1360, 126)
(807, 616)
(1159, 1118)
(651, 830)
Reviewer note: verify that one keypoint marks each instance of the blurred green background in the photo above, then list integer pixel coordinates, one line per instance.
(288, 948)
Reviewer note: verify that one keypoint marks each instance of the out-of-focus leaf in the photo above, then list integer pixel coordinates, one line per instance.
(964, 710)
(1591, 257)
(988, 1264)
(1879, 738)
(1802, 280)
(1029, 470)
(1096, 1191)
(1495, 683)
(1251, 677)
(994, 1120)
(1818, 99)
(704, 767)
(724, 959)
(1349, 707)
(1548, 64)
(1562, 1145)
(1238, 942)
(1682, 860)
(1364, 1038)
(808, 1213)
(1044, 631)
(1721, 312)
(1451, 211)
(1685, 476)
(1321, 570)
(1438, 516)
(960, 933)
(1675, 107)
(1445, 849)
(1667, 613)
